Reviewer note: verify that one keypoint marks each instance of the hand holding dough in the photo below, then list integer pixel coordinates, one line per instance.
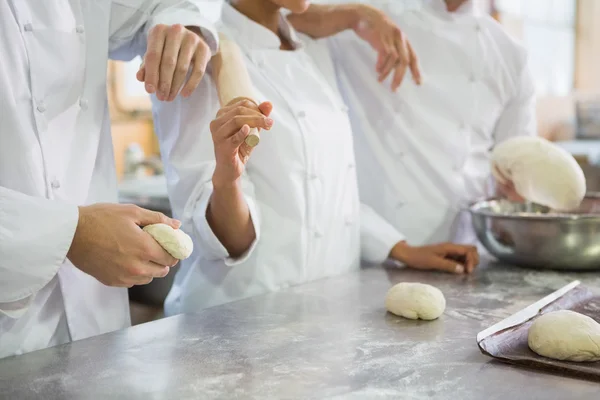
(175, 241)
(541, 172)
(415, 301)
(565, 335)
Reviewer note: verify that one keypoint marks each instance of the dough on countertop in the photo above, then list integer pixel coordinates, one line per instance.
(541, 172)
(175, 241)
(565, 335)
(415, 301)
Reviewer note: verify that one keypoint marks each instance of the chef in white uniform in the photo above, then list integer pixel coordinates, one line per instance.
(423, 152)
(292, 213)
(56, 154)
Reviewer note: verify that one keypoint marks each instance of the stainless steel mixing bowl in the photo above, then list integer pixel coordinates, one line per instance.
(534, 236)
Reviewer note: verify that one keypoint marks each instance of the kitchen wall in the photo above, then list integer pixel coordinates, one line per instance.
(128, 126)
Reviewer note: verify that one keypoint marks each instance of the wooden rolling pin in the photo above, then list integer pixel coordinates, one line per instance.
(232, 79)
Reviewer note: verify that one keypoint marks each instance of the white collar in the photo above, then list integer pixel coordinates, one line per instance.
(438, 7)
(253, 35)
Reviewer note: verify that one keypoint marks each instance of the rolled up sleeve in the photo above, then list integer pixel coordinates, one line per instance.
(212, 248)
(188, 153)
(131, 20)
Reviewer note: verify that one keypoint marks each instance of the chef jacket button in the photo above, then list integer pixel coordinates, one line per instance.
(27, 27)
(399, 204)
(349, 221)
(83, 103)
(80, 29)
(312, 176)
(478, 28)
(472, 79)
(344, 108)
(318, 233)
(351, 165)
(55, 184)
(301, 114)
(41, 107)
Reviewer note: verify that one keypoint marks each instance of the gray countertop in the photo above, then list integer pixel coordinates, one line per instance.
(327, 339)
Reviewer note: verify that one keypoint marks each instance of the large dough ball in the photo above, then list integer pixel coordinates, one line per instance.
(175, 241)
(565, 335)
(415, 301)
(541, 171)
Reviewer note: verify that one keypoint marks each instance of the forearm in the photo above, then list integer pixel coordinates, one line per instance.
(229, 218)
(321, 21)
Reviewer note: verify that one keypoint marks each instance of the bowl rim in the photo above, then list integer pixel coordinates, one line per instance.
(474, 209)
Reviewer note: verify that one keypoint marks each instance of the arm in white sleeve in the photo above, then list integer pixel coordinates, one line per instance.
(518, 117)
(188, 153)
(377, 236)
(35, 237)
(130, 21)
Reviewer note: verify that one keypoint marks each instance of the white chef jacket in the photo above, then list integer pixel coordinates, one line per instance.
(56, 153)
(423, 153)
(300, 182)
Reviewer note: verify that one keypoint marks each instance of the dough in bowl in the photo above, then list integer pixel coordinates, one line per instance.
(565, 335)
(541, 172)
(175, 241)
(415, 301)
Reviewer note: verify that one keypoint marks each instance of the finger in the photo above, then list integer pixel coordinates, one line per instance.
(200, 60)
(389, 64)
(169, 59)
(401, 67)
(231, 127)
(186, 54)
(140, 75)
(245, 107)
(391, 61)
(152, 59)
(158, 258)
(413, 63)
(266, 108)
(238, 141)
(442, 264)
(236, 112)
(472, 260)
(145, 217)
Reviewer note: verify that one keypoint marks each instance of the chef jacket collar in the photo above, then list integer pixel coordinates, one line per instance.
(253, 35)
(438, 7)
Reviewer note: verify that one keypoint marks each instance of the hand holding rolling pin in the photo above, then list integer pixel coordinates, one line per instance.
(235, 130)
(230, 130)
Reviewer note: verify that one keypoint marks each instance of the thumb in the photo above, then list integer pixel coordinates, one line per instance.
(443, 264)
(147, 217)
(266, 108)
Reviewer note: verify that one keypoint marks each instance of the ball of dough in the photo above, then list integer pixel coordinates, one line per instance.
(175, 241)
(541, 172)
(565, 335)
(415, 301)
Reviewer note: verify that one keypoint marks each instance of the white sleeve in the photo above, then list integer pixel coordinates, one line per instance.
(377, 236)
(35, 237)
(518, 117)
(130, 21)
(187, 150)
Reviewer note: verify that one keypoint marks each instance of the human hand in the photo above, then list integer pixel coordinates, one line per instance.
(505, 188)
(171, 52)
(395, 52)
(110, 245)
(229, 131)
(449, 257)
